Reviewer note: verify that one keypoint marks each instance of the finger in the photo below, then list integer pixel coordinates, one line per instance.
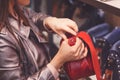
(63, 36)
(71, 31)
(82, 49)
(78, 48)
(73, 25)
(78, 43)
(84, 53)
(78, 53)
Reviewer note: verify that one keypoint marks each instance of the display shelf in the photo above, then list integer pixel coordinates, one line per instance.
(112, 6)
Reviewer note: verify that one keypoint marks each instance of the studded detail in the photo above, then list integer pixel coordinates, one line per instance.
(112, 54)
(118, 66)
(119, 47)
(116, 55)
(117, 60)
(119, 71)
(113, 61)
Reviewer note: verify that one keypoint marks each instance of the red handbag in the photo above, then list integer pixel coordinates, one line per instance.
(87, 66)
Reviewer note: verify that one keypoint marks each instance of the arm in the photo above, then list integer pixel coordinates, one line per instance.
(58, 25)
(37, 18)
(10, 68)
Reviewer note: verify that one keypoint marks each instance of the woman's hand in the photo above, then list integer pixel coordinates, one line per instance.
(61, 25)
(69, 53)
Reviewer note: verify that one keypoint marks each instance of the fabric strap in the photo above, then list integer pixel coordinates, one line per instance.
(87, 39)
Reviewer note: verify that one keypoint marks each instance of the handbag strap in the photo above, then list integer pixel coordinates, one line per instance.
(87, 39)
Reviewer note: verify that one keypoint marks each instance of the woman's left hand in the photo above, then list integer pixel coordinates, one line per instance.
(61, 26)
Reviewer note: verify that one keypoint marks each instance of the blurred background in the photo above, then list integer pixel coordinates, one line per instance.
(84, 15)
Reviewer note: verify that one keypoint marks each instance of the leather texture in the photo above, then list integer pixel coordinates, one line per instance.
(113, 62)
(28, 61)
(87, 66)
(109, 39)
(97, 32)
(105, 43)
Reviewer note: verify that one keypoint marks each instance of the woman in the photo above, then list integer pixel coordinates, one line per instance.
(23, 51)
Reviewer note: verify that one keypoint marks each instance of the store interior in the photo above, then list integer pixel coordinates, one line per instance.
(99, 18)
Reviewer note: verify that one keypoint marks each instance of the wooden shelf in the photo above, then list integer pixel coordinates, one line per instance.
(112, 6)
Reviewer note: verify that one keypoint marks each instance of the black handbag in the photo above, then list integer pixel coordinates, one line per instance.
(108, 40)
(105, 43)
(113, 63)
(97, 32)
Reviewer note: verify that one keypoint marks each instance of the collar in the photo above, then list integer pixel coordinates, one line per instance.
(25, 30)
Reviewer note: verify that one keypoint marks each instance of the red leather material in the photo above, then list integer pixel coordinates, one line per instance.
(79, 69)
(87, 66)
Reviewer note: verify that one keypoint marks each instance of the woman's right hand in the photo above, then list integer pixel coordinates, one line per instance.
(69, 53)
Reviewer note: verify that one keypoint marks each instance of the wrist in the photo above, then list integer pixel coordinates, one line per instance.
(53, 70)
(57, 62)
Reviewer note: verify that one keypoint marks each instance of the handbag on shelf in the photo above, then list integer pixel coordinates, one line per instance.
(105, 43)
(110, 55)
(113, 63)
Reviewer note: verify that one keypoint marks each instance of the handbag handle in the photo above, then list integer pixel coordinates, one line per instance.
(87, 39)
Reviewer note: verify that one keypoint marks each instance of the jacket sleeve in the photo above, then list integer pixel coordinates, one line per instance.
(10, 68)
(37, 18)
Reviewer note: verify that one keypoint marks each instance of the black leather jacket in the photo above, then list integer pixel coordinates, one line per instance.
(26, 59)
